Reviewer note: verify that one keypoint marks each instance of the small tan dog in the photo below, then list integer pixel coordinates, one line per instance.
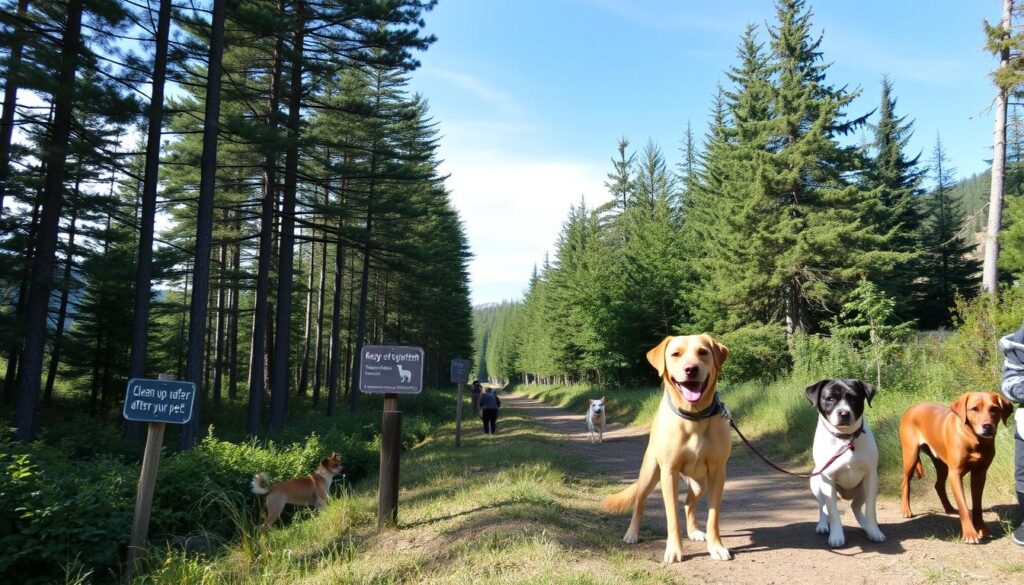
(690, 441)
(310, 490)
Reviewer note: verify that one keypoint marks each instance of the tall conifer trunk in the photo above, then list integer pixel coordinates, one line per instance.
(38, 300)
(304, 363)
(285, 266)
(62, 310)
(261, 311)
(10, 105)
(204, 220)
(989, 276)
(150, 180)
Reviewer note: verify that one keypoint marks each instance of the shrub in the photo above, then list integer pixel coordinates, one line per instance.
(756, 352)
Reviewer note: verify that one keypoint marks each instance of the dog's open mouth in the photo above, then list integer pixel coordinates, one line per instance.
(690, 389)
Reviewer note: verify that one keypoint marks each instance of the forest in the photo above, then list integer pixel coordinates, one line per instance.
(241, 193)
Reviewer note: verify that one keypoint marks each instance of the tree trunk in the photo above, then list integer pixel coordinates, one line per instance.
(304, 363)
(286, 257)
(17, 344)
(318, 360)
(10, 104)
(150, 180)
(62, 311)
(334, 346)
(261, 312)
(236, 265)
(204, 220)
(38, 301)
(364, 289)
(989, 273)
(219, 331)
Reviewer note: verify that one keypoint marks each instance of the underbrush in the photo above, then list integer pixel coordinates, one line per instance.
(66, 501)
(500, 509)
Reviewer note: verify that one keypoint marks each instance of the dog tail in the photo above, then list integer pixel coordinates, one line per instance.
(919, 469)
(622, 501)
(258, 486)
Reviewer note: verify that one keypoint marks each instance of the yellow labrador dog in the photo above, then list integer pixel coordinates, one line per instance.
(689, 437)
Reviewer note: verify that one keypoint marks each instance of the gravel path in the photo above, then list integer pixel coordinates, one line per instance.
(768, 522)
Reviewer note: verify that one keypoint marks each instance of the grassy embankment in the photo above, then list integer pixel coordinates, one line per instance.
(502, 509)
(777, 418)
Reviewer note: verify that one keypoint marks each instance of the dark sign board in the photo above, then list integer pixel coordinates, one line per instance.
(166, 401)
(391, 369)
(460, 371)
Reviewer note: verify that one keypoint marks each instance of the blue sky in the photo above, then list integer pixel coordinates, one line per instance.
(533, 95)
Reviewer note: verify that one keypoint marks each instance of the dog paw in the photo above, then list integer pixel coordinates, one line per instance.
(875, 535)
(720, 553)
(836, 539)
(696, 535)
(673, 553)
(972, 537)
(983, 532)
(631, 538)
(906, 513)
(822, 527)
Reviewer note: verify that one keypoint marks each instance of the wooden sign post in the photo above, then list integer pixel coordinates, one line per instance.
(459, 375)
(390, 370)
(157, 402)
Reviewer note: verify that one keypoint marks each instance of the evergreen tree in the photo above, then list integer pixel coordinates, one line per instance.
(947, 266)
(897, 180)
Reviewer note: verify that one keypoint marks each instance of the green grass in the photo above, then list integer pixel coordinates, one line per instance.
(500, 509)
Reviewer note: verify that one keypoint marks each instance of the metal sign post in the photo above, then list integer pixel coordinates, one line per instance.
(390, 370)
(157, 402)
(459, 375)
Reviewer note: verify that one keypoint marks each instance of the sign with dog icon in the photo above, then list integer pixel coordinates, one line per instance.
(391, 369)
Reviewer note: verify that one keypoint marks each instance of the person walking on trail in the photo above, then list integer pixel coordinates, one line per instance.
(1013, 388)
(474, 397)
(489, 405)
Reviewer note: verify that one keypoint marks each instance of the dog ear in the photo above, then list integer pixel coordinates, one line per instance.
(719, 351)
(1005, 408)
(868, 389)
(656, 356)
(814, 390)
(959, 406)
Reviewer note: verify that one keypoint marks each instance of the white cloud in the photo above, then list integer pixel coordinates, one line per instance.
(500, 101)
(513, 211)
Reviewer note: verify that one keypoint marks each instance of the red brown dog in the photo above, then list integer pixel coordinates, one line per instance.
(310, 490)
(960, 439)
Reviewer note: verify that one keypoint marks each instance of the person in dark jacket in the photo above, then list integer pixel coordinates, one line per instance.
(1012, 386)
(489, 405)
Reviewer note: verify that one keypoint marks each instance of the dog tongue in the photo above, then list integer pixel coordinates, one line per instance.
(692, 391)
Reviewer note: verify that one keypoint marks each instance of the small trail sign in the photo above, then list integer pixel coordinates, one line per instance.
(159, 403)
(391, 369)
(460, 371)
(164, 401)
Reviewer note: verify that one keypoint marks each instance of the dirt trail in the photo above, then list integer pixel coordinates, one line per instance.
(768, 522)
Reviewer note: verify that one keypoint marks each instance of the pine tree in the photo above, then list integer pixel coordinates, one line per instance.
(947, 267)
(897, 179)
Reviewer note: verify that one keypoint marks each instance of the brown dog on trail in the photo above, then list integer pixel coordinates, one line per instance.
(960, 439)
(689, 439)
(310, 490)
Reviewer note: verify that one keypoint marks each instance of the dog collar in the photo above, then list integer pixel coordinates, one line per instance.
(848, 436)
(715, 408)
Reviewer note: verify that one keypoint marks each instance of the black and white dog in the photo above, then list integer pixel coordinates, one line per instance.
(595, 420)
(854, 474)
